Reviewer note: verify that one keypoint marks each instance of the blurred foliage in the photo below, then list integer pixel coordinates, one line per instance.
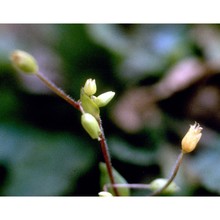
(41, 163)
(165, 78)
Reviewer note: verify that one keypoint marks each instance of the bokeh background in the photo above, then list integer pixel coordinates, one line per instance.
(165, 77)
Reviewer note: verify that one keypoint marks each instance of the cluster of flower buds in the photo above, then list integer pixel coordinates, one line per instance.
(91, 105)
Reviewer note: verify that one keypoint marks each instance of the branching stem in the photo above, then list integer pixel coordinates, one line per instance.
(78, 106)
(147, 186)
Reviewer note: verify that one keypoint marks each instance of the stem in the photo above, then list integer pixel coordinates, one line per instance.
(172, 176)
(107, 158)
(127, 185)
(58, 91)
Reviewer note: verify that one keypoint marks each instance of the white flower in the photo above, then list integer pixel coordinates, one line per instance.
(105, 194)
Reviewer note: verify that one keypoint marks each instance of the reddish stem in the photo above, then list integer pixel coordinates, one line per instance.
(107, 158)
(78, 106)
(58, 91)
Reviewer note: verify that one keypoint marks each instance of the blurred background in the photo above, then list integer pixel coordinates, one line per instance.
(165, 77)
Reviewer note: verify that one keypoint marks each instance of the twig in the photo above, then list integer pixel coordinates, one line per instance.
(58, 91)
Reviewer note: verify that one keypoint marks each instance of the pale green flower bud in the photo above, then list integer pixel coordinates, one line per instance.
(24, 62)
(191, 138)
(91, 125)
(105, 194)
(90, 87)
(103, 99)
(159, 183)
(88, 105)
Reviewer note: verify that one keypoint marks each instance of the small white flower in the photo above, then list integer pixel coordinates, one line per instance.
(105, 194)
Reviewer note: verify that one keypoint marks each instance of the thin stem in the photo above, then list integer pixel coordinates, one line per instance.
(58, 91)
(127, 185)
(172, 176)
(107, 158)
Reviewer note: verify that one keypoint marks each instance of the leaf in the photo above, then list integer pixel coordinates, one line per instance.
(110, 36)
(144, 50)
(42, 163)
(206, 166)
(128, 153)
(104, 179)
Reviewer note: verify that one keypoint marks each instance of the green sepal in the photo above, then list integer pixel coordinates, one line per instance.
(104, 179)
(88, 105)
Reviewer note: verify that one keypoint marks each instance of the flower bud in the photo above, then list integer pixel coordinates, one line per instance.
(159, 183)
(104, 98)
(88, 104)
(91, 125)
(90, 87)
(105, 194)
(191, 138)
(24, 62)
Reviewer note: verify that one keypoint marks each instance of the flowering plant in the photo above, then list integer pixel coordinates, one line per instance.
(89, 105)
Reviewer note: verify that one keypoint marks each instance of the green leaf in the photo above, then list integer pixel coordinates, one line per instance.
(128, 153)
(157, 46)
(104, 179)
(42, 163)
(206, 166)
